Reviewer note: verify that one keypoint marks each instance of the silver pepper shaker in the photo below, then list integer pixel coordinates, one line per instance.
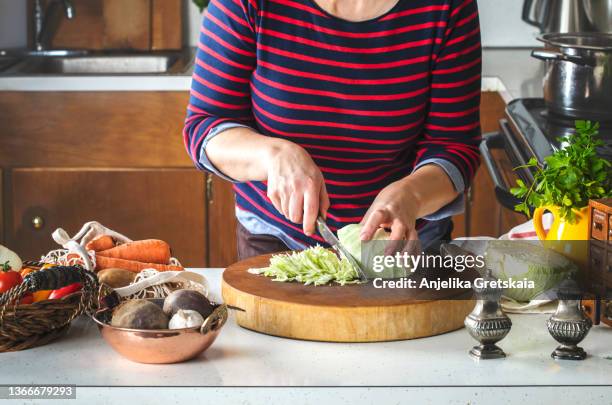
(487, 323)
(569, 325)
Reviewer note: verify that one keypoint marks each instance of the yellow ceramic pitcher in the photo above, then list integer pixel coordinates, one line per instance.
(562, 230)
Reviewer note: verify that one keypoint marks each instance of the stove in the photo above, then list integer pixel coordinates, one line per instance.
(530, 130)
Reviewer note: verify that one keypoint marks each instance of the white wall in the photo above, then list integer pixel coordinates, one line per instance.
(13, 27)
(500, 20)
(501, 24)
(194, 19)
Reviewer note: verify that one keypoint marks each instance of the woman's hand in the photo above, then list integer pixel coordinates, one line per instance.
(396, 207)
(399, 204)
(296, 186)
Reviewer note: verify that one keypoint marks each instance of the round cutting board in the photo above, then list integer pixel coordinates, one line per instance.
(350, 313)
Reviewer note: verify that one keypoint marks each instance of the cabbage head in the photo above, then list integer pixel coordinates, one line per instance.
(526, 260)
(365, 252)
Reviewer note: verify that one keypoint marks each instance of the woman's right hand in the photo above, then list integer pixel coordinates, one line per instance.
(295, 185)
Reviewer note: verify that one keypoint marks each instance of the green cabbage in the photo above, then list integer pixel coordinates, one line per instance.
(315, 265)
(365, 252)
(520, 260)
(350, 239)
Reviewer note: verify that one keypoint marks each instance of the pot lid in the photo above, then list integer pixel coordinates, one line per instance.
(597, 41)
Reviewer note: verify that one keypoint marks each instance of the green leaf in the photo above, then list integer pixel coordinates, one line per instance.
(522, 207)
(518, 192)
(598, 165)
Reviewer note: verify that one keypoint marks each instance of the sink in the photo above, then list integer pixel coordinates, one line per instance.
(92, 63)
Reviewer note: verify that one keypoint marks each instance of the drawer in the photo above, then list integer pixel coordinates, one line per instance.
(167, 204)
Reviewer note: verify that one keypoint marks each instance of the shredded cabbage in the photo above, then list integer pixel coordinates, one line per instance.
(313, 266)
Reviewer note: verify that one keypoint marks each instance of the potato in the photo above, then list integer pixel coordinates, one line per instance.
(187, 299)
(116, 278)
(139, 314)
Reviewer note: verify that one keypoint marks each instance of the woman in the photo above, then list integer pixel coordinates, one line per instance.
(357, 110)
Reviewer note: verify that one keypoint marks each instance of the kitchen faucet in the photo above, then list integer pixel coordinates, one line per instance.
(46, 21)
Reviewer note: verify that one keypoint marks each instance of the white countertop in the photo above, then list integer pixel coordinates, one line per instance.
(513, 72)
(435, 369)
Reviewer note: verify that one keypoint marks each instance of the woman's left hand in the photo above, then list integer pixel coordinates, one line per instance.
(396, 207)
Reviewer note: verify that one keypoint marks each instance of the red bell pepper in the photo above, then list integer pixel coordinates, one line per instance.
(64, 291)
(27, 299)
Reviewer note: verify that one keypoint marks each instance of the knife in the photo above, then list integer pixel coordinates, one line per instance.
(330, 238)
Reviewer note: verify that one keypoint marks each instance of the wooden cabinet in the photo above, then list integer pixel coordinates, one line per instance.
(93, 129)
(168, 204)
(113, 157)
(221, 222)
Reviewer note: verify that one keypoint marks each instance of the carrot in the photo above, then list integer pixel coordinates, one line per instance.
(147, 251)
(102, 242)
(103, 262)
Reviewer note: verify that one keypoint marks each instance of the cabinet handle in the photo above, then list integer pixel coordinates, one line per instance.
(38, 222)
(209, 188)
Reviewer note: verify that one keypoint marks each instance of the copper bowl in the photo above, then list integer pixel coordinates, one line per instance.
(163, 346)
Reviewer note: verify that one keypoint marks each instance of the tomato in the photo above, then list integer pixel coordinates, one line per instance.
(8, 278)
(62, 292)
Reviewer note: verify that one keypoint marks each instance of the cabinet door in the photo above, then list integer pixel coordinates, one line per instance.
(166, 204)
(221, 223)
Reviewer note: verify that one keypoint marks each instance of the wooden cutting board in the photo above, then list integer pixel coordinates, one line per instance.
(350, 313)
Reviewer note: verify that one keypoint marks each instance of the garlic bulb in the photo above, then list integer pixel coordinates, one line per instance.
(186, 318)
(10, 257)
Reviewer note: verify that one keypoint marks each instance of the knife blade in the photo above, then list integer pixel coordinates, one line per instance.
(333, 241)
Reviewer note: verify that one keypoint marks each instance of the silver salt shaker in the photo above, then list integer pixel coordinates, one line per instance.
(569, 325)
(487, 323)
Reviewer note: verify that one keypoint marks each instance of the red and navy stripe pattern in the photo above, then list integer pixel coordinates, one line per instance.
(368, 100)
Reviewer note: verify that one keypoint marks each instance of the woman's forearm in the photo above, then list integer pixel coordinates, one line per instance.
(431, 187)
(242, 153)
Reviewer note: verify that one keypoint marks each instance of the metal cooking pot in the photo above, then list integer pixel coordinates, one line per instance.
(599, 13)
(569, 15)
(578, 79)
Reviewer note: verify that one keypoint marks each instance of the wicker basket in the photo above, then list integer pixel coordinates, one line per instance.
(26, 326)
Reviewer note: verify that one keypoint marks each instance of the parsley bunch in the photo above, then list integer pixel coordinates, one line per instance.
(570, 177)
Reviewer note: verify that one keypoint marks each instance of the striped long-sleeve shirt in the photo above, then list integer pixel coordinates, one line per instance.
(369, 101)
